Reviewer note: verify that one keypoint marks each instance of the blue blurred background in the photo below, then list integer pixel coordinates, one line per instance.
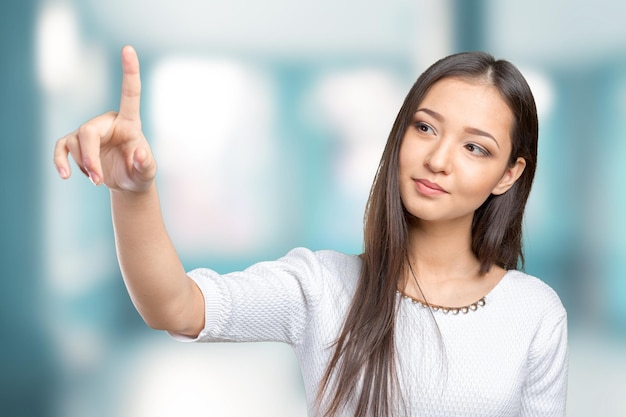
(268, 119)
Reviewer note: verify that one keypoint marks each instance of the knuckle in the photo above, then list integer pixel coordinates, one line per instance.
(87, 162)
(86, 130)
(60, 145)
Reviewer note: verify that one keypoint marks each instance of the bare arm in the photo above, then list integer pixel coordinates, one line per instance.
(112, 150)
(163, 294)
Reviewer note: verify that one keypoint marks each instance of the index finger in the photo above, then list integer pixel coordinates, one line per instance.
(131, 85)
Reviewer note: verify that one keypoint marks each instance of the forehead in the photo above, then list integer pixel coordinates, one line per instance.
(474, 103)
(468, 90)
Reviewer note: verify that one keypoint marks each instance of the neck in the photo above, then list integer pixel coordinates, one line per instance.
(442, 249)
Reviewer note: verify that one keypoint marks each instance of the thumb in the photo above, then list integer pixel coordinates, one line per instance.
(144, 164)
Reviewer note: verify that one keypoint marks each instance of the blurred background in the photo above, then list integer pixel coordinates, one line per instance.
(268, 120)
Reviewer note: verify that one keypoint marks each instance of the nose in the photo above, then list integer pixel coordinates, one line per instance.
(439, 157)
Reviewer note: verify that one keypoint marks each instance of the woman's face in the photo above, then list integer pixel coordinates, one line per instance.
(456, 151)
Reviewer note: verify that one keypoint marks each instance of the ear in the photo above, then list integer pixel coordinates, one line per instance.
(509, 177)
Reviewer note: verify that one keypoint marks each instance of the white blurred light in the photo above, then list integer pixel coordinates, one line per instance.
(57, 46)
(261, 380)
(212, 123)
(542, 89)
(361, 107)
(434, 29)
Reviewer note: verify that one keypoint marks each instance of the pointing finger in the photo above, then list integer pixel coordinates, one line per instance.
(131, 85)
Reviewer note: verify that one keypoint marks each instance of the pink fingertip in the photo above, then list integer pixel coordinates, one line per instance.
(63, 173)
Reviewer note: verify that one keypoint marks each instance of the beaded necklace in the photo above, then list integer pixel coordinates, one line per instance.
(434, 307)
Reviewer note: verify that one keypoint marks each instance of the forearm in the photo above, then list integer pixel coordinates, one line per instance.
(112, 150)
(155, 278)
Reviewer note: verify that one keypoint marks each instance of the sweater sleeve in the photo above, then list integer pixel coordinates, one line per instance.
(269, 301)
(545, 391)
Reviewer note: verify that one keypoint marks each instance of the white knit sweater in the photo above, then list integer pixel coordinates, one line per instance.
(506, 358)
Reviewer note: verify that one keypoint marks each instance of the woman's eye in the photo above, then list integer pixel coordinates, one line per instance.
(476, 150)
(424, 128)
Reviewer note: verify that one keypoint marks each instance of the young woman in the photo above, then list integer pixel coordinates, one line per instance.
(432, 319)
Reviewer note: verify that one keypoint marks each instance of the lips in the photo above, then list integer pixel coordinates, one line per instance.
(429, 188)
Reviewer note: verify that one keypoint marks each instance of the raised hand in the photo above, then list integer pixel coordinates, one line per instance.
(111, 149)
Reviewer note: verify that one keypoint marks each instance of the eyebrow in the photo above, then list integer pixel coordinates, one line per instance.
(472, 130)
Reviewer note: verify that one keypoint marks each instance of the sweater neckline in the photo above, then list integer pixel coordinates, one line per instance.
(456, 310)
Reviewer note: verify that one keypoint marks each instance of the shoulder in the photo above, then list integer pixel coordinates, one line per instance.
(528, 308)
(530, 294)
(332, 270)
(319, 263)
(339, 261)
(542, 310)
(328, 260)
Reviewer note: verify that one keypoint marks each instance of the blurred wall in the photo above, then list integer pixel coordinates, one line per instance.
(268, 120)
(27, 365)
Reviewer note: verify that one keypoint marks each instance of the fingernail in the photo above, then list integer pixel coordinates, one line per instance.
(95, 180)
(63, 172)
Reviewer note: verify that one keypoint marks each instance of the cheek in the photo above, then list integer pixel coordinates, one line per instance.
(403, 164)
(409, 156)
(479, 184)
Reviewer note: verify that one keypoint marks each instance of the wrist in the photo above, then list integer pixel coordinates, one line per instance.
(135, 196)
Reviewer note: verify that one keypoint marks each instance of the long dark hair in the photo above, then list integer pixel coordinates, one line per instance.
(361, 370)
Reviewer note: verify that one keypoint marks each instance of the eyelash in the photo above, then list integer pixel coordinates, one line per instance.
(472, 147)
(482, 151)
(420, 125)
